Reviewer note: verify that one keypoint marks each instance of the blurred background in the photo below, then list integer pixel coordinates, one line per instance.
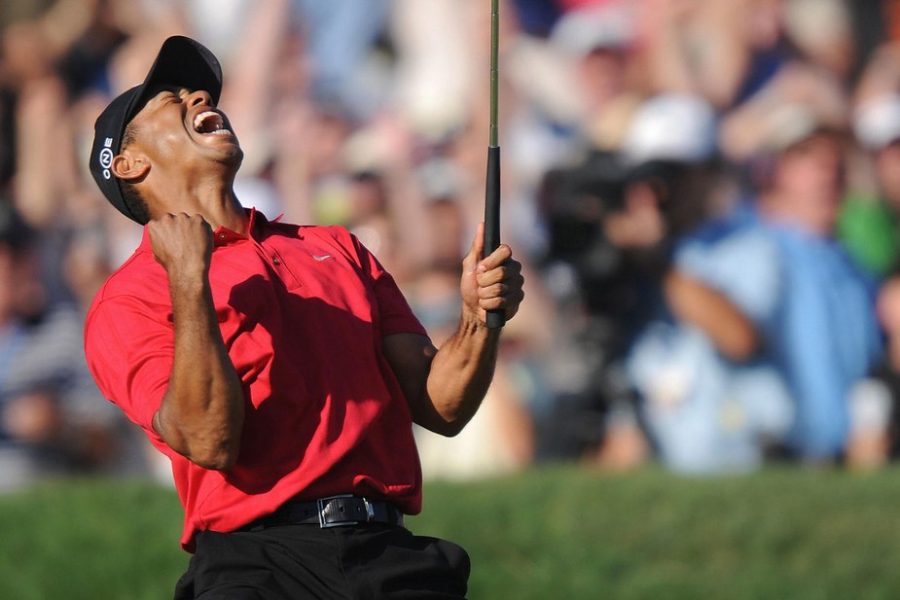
(705, 195)
(706, 198)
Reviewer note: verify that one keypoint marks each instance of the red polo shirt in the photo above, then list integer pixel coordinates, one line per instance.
(302, 311)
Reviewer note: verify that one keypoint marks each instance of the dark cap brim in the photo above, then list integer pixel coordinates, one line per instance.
(181, 62)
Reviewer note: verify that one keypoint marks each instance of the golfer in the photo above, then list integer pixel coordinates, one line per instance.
(277, 366)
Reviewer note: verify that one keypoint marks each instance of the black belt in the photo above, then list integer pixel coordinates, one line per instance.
(334, 511)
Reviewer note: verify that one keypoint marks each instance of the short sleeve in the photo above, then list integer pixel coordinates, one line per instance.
(394, 313)
(129, 349)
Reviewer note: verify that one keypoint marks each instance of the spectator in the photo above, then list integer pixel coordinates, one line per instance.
(339, 36)
(799, 313)
(602, 42)
(869, 222)
(52, 420)
(711, 401)
(614, 219)
(875, 401)
(825, 338)
(705, 410)
(342, 136)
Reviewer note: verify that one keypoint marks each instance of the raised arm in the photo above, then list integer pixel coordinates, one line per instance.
(202, 412)
(444, 388)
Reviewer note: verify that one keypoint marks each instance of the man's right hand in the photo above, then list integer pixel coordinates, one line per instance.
(182, 244)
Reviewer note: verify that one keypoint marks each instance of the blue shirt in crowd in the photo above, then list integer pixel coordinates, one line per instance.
(814, 311)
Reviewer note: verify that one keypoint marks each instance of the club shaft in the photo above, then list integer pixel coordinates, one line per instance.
(495, 74)
(495, 318)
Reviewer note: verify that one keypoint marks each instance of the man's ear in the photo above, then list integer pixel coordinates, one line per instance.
(132, 167)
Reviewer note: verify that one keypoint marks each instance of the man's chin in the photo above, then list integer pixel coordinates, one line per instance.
(236, 157)
(228, 154)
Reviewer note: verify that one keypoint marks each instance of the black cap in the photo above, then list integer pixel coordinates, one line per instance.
(181, 61)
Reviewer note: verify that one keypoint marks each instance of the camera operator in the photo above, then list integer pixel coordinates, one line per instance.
(613, 222)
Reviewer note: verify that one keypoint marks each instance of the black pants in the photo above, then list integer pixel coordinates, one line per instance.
(295, 562)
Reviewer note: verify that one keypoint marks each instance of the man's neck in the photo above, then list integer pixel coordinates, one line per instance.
(221, 208)
(809, 217)
(212, 198)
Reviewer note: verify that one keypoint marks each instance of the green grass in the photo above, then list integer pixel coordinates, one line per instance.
(552, 533)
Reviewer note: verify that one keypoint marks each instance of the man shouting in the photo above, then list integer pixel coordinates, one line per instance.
(277, 366)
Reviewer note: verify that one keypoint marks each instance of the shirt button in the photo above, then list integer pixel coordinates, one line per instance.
(275, 260)
(221, 236)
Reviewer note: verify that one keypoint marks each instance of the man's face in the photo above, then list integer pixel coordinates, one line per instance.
(810, 181)
(179, 129)
(602, 75)
(813, 167)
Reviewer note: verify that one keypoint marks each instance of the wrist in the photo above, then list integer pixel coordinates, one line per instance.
(185, 280)
(188, 269)
(471, 323)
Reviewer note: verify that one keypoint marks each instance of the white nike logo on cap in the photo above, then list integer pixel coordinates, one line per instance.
(321, 257)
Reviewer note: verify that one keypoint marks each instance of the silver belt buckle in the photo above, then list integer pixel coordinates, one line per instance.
(321, 503)
(370, 510)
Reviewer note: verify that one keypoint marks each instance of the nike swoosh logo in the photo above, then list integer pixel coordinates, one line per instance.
(321, 257)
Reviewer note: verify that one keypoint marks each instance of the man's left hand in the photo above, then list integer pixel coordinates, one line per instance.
(492, 282)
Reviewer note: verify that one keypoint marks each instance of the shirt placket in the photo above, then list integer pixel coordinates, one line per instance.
(277, 263)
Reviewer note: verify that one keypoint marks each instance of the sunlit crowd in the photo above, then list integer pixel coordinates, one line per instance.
(705, 195)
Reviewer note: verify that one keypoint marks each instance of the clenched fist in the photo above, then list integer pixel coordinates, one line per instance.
(492, 282)
(182, 244)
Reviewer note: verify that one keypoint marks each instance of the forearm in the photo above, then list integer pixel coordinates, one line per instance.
(460, 375)
(39, 122)
(202, 413)
(444, 388)
(730, 330)
(666, 64)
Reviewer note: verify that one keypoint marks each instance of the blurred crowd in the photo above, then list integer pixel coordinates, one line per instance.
(705, 195)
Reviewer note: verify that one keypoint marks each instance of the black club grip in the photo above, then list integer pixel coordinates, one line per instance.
(495, 318)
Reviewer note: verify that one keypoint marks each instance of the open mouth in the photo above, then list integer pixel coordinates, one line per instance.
(210, 123)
